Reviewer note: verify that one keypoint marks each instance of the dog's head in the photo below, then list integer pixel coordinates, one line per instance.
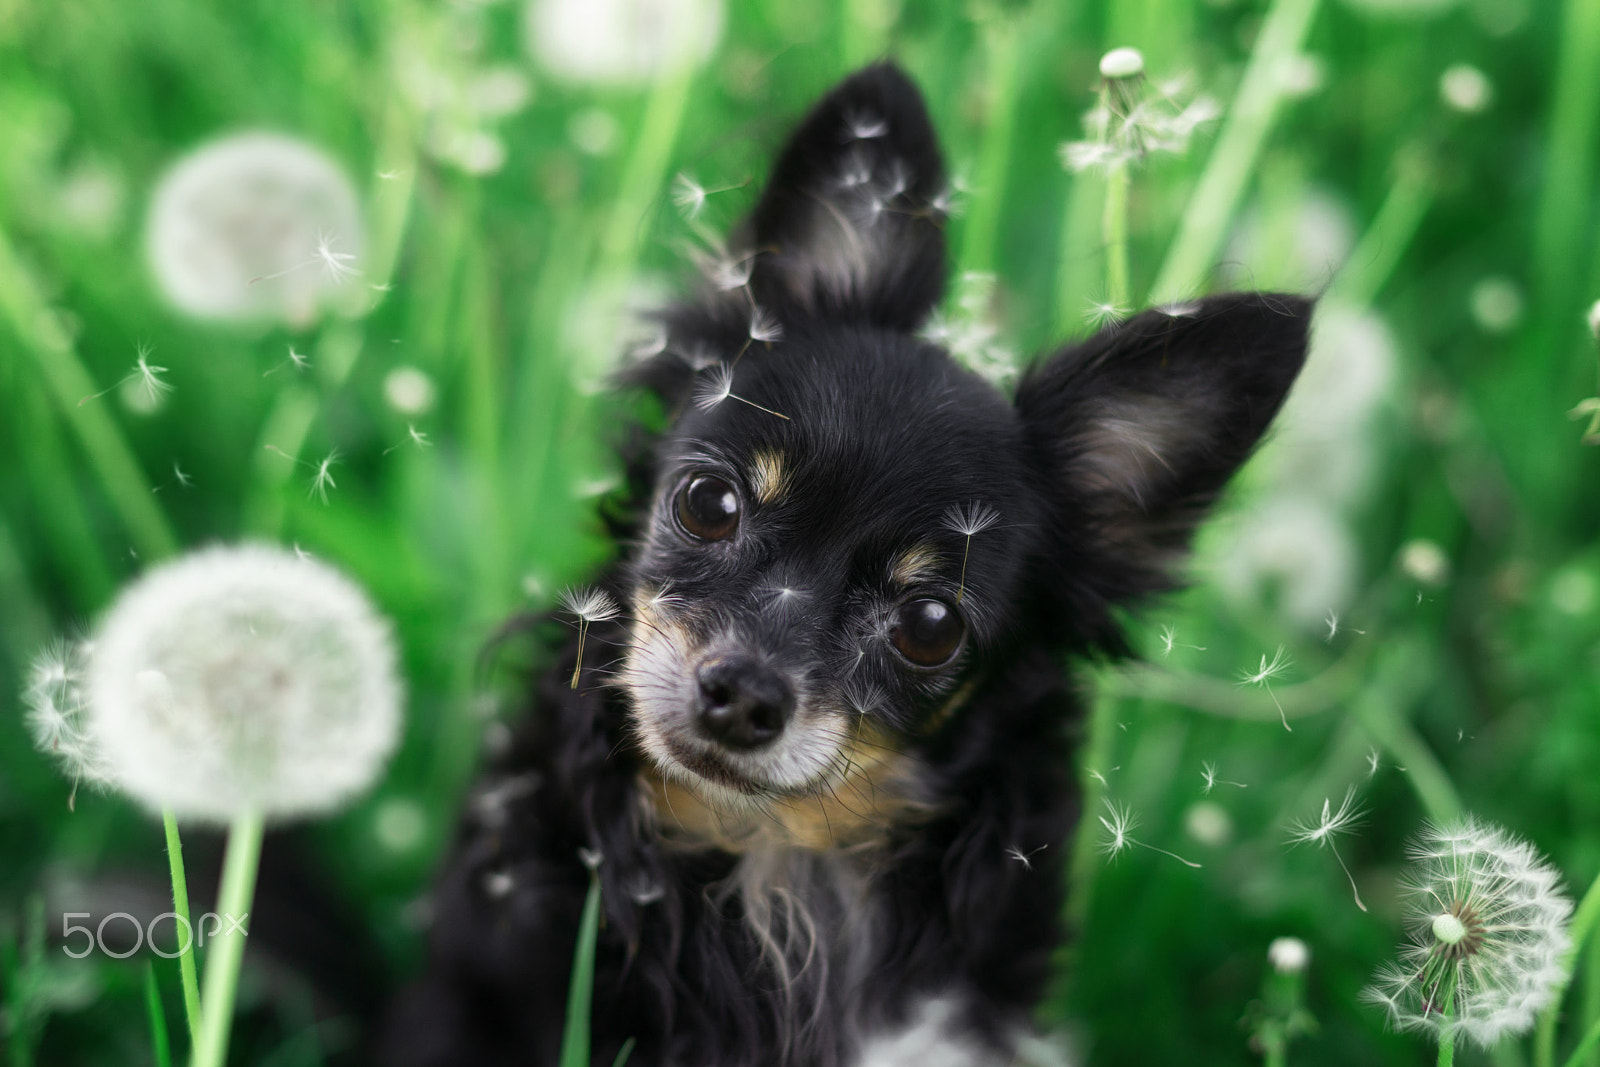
(848, 527)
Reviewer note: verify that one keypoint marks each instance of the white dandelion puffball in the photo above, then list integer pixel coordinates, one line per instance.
(256, 226)
(620, 42)
(242, 679)
(1487, 928)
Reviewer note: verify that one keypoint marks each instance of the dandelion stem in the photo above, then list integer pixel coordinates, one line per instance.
(1074, 269)
(1353, 890)
(961, 587)
(1233, 157)
(234, 901)
(1097, 751)
(1114, 230)
(1569, 155)
(1585, 921)
(1590, 1042)
(180, 904)
(577, 668)
(1389, 234)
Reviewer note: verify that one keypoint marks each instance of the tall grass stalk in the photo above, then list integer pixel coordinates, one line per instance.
(1114, 231)
(1585, 921)
(160, 1040)
(1233, 158)
(1389, 234)
(580, 991)
(23, 305)
(180, 904)
(226, 954)
(1002, 48)
(1562, 224)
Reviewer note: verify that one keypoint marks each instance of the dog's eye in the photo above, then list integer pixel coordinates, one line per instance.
(708, 508)
(927, 632)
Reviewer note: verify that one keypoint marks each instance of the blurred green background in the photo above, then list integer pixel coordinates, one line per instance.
(1430, 165)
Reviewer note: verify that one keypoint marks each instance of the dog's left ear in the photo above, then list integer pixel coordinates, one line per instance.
(1134, 432)
(850, 224)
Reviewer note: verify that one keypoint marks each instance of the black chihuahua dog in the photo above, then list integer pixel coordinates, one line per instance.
(821, 758)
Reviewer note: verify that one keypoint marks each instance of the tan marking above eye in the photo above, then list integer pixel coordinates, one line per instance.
(914, 564)
(768, 476)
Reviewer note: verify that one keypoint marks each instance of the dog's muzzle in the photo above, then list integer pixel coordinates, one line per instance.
(741, 704)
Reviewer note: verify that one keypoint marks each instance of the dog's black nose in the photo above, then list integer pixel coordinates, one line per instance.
(743, 704)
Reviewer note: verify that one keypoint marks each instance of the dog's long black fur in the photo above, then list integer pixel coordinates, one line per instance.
(892, 858)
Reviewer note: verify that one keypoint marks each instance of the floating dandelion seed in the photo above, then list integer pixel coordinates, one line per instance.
(967, 520)
(1103, 313)
(689, 195)
(1025, 858)
(1169, 641)
(298, 360)
(764, 327)
(1487, 933)
(1322, 831)
(322, 481)
(414, 436)
(1208, 771)
(337, 264)
(146, 374)
(589, 605)
(664, 597)
(1120, 826)
(1372, 762)
(719, 387)
(1263, 676)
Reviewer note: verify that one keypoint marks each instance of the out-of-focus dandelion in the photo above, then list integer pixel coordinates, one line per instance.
(968, 520)
(1424, 562)
(414, 436)
(1486, 932)
(1135, 117)
(1288, 955)
(1208, 772)
(1323, 830)
(1465, 88)
(1103, 313)
(970, 332)
(588, 606)
(1496, 303)
(621, 42)
(719, 387)
(234, 226)
(409, 391)
(1120, 824)
(243, 679)
(1169, 641)
(58, 715)
(1263, 675)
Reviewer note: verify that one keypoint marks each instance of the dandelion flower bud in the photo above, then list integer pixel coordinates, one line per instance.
(1487, 933)
(255, 226)
(243, 679)
(1122, 63)
(1288, 955)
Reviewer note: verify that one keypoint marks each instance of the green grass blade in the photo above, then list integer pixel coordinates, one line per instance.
(160, 1043)
(580, 993)
(180, 904)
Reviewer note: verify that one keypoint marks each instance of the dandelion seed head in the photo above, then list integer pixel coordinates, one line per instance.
(238, 228)
(1122, 63)
(1465, 88)
(970, 519)
(1330, 824)
(1486, 936)
(1120, 823)
(240, 679)
(1288, 955)
(764, 326)
(589, 604)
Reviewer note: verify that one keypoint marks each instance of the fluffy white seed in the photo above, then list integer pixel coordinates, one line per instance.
(244, 679)
(620, 42)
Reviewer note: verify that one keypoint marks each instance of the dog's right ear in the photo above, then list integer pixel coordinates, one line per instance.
(850, 225)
